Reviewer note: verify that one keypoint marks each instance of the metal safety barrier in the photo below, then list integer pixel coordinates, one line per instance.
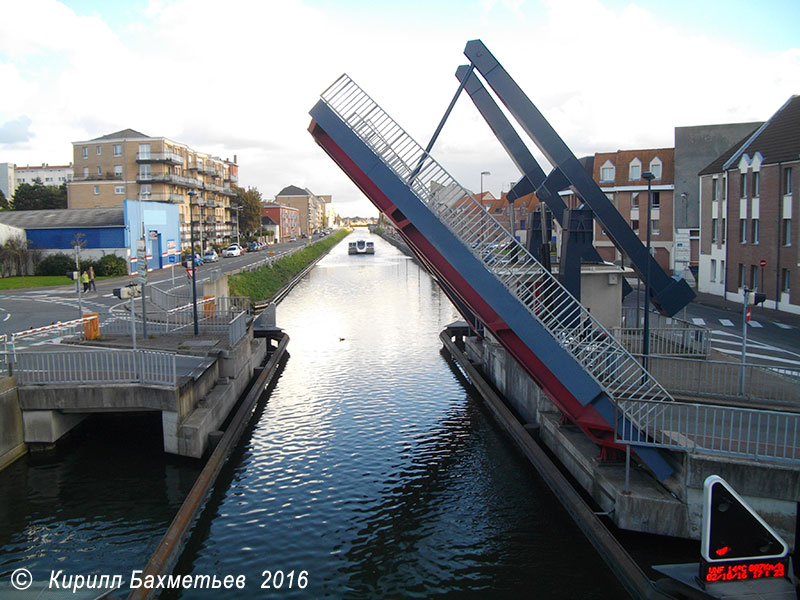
(718, 379)
(666, 341)
(575, 329)
(713, 429)
(96, 366)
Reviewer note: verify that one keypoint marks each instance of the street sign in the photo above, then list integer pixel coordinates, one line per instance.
(763, 263)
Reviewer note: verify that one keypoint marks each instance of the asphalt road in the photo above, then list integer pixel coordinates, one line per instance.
(30, 308)
(773, 338)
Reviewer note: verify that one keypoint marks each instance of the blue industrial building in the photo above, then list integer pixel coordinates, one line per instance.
(105, 231)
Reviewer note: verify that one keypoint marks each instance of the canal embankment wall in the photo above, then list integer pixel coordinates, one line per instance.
(644, 505)
(12, 444)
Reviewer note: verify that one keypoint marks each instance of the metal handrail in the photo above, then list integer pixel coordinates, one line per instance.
(711, 429)
(96, 366)
(575, 329)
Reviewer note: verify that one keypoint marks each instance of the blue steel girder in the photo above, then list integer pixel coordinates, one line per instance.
(533, 178)
(668, 294)
(365, 167)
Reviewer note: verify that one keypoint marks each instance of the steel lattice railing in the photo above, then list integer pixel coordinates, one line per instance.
(575, 329)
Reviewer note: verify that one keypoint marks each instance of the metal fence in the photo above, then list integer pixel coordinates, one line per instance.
(237, 328)
(178, 320)
(95, 366)
(666, 341)
(717, 379)
(704, 428)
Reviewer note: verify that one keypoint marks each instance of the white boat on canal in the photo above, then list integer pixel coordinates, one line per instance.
(361, 247)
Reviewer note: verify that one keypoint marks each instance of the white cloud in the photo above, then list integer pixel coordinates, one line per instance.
(240, 77)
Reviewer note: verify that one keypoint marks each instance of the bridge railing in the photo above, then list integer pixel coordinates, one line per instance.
(704, 428)
(96, 366)
(718, 379)
(535, 287)
(666, 341)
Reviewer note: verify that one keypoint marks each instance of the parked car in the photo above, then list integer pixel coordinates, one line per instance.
(232, 250)
(210, 256)
(253, 247)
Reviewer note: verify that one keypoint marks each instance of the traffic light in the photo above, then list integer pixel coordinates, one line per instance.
(756, 298)
(73, 275)
(129, 291)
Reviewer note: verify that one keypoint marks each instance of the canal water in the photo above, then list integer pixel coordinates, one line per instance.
(370, 472)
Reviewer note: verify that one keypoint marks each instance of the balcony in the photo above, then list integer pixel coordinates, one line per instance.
(231, 177)
(172, 198)
(167, 178)
(207, 169)
(96, 177)
(168, 157)
(227, 191)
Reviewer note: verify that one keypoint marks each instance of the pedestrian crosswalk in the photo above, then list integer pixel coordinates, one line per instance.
(728, 323)
(730, 343)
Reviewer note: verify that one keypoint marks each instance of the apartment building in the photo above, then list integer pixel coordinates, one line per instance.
(310, 206)
(748, 198)
(619, 175)
(11, 175)
(287, 219)
(130, 165)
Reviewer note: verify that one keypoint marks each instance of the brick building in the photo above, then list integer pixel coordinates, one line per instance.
(619, 175)
(748, 198)
(287, 219)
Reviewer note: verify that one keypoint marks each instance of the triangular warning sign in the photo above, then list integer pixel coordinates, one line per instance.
(732, 530)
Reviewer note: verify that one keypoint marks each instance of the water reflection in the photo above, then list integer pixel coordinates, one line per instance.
(372, 468)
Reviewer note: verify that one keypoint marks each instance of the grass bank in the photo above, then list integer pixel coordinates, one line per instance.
(263, 283)
(34, 281)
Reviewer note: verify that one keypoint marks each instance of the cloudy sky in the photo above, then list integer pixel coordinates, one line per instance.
(238, 77)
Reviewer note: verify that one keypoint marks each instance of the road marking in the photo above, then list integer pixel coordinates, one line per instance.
(698, 321)
(726, 322)
(8, 316)
(755, 324)
(783, 325)
(107, 295)
(764, 356)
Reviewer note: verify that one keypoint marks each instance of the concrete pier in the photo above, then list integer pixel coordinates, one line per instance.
(214, 375)
(12, 444)
(771, 488)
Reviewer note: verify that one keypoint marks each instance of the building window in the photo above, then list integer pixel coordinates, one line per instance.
(635, 226)
(607, 171)
(99, 170)
(144, 171)
(145, 188)
(635, 200)
(117, 149)
(656, 199)
(723, 232)
(786, 232)
(713, 231)
(117, 170)
(46, 179)
(742, 275)
(743, 185)
(635, 170)
(742, 231)
(96, 190)
(713, 270)
(754, 237)
(655, 167)
(785, 278)
(714, 189)
(86, 172)
(119, 189)
(756, 184)
(655, 226)
(754, 276)
(787, 181)
(86, 152)
(99, 150)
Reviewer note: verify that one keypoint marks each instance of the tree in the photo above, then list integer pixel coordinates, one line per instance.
(3, 201)
(250, 214)
(37, 196)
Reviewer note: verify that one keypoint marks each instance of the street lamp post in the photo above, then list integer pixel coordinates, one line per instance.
(646, 341)
(192, 195)
(483, 225)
